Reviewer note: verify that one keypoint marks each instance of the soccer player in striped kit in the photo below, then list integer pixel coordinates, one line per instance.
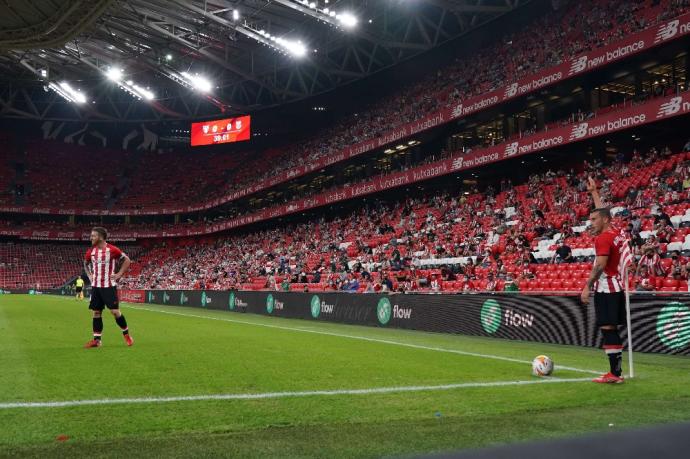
(99, 263)
(612, 257)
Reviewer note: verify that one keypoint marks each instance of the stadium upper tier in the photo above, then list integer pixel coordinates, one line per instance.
(129, 182)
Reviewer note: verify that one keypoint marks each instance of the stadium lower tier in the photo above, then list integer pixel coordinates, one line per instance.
(44, 265)
(531, 237)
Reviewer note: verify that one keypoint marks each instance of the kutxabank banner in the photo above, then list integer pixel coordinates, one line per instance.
(661, 323)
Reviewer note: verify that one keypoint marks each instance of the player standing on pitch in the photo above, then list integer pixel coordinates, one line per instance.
(79, 288)
(605, 281)
(99, 265)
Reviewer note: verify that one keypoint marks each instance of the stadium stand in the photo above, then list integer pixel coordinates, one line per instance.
(182, 181)
(435, 243)
(45, 265)
(516, 238)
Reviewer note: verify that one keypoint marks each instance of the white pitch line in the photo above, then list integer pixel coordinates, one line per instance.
(269, 395)
(365, 338)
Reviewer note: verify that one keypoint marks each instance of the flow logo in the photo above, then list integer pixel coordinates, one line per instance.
(315, 306)
(231, 301)
(270, 303)
(490, 316)
(383, 311)
(203, 299)
(673, 325)
(183, 299)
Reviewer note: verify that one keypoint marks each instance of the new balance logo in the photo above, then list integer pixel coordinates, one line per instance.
(511, 91)
(667, 31)
(457, 111)
(457, 163)
(578, 65)
(579, 131)
(670, 108)
(511, 149)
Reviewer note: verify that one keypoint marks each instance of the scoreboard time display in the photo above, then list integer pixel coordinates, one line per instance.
(221, 131)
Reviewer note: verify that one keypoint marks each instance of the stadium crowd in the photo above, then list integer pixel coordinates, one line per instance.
(529, 237)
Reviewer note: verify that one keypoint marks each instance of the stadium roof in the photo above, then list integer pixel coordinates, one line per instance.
(184, 59)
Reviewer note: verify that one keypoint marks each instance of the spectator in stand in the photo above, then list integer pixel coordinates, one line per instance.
(491, 283)
(353, 284)
(386, 282)
(636, 224)
(651, 261)
(658, 212)
(651, 243)
(468, 285)
(564, 254)
(447, 274)
(271, 283)
(675, 270)
(685, 271)
(644, 281)
(664, 230)
(435, 284)
(511, 285)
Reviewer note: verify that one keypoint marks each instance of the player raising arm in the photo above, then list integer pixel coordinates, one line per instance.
(99, 263)
(605, 281)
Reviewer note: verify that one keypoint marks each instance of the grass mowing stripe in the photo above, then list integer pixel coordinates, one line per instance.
(266, 395)
(364, 338)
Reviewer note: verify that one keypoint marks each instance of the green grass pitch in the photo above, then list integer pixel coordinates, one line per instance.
(281, 363)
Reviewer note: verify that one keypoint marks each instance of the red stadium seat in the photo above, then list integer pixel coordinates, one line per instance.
(669, 282)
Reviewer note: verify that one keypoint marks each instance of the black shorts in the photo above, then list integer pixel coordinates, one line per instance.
(102, 297)
(610, 308)
(78, 289)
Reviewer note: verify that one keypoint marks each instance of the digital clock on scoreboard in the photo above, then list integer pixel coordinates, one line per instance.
(221, 131)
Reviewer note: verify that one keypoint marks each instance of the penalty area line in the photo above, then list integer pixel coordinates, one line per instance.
(274, 395)
(362, 338)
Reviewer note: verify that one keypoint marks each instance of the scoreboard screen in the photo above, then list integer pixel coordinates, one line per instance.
(221, 131)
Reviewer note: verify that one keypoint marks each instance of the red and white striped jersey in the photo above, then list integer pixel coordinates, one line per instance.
(103, 262)
(613, 244)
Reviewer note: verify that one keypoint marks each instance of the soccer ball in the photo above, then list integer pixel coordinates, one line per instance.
(542, 366)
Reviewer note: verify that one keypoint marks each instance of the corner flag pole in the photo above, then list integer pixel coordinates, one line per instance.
(629, 323)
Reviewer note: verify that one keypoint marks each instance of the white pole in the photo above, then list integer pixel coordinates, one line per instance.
(629, 323)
